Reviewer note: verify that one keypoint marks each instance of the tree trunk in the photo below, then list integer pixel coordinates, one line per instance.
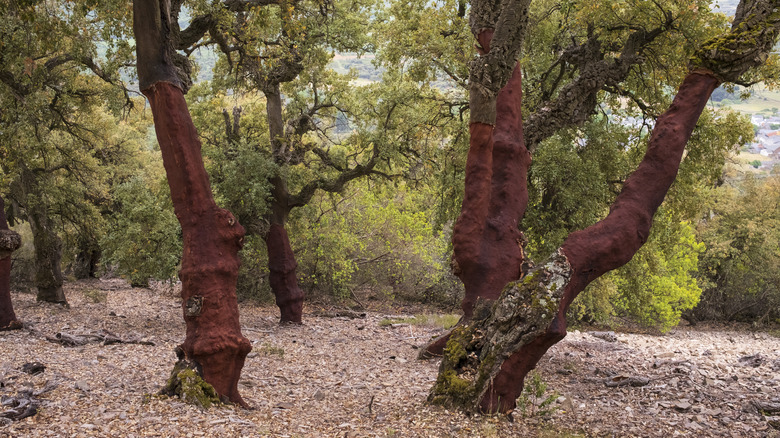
(212, 237)
(87, 259)
(9, 242)
(48, 245)
(281, 260)
(487, 243)
(485, 362)
(281, 276)
(48, 255)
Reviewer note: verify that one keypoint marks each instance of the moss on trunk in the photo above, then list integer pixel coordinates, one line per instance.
(476, 351)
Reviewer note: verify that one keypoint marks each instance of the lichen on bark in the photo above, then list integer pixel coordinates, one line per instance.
(477, 350)
(10, 241)
(753, 34)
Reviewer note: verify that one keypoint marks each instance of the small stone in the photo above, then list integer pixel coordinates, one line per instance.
(606, 336)
(682, 405)
(319, 395)
(82, 385)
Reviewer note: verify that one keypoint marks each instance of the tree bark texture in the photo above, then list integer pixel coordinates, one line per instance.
(47, 244)
(212, 236)
(281, 259)
(487, 243)
(486, 359)
(9, 242)
(48, 257)
(212, 239)
(485, 362)
(281, 266)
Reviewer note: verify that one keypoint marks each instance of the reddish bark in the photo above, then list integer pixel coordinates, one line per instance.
(212, 239)
(487, 243)
(281, 260)
(486, 361)
(212, 236)
(8, 319)
(282, 264)
(613, 241)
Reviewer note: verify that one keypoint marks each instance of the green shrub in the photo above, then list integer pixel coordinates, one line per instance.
(252, 282)
(144, 240)
(532, 401)
(370, 238)
(741, 267)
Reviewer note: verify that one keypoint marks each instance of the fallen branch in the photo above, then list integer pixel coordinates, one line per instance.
(621, 380)
(767, 408)
(104, 336)
(24, 404)
(340, 314)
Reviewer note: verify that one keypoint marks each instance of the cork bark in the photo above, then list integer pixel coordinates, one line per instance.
(281, 259)
(486, 358)
(212, 236)
(487, 243)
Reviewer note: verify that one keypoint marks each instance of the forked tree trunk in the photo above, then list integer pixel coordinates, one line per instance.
(513, 333)
(487, 243)
(486, 360)
(212, 236)
(9, 242)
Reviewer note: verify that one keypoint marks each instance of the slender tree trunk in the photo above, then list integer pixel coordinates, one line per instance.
(48, 245)
(281, 260)
(281, 266)
(511, 335)
(9, 242)
(212, 237)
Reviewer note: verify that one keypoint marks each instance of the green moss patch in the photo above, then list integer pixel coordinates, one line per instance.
(187, 384)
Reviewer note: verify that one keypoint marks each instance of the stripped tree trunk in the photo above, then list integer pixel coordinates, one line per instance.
(212, 236)
(281, 276)
(9, 242)
(281, 259)
(486, 360)
(487, 243)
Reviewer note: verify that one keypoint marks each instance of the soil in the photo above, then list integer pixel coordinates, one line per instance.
(343, 377)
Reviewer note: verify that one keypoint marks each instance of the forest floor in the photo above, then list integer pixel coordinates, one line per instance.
(340, 377)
